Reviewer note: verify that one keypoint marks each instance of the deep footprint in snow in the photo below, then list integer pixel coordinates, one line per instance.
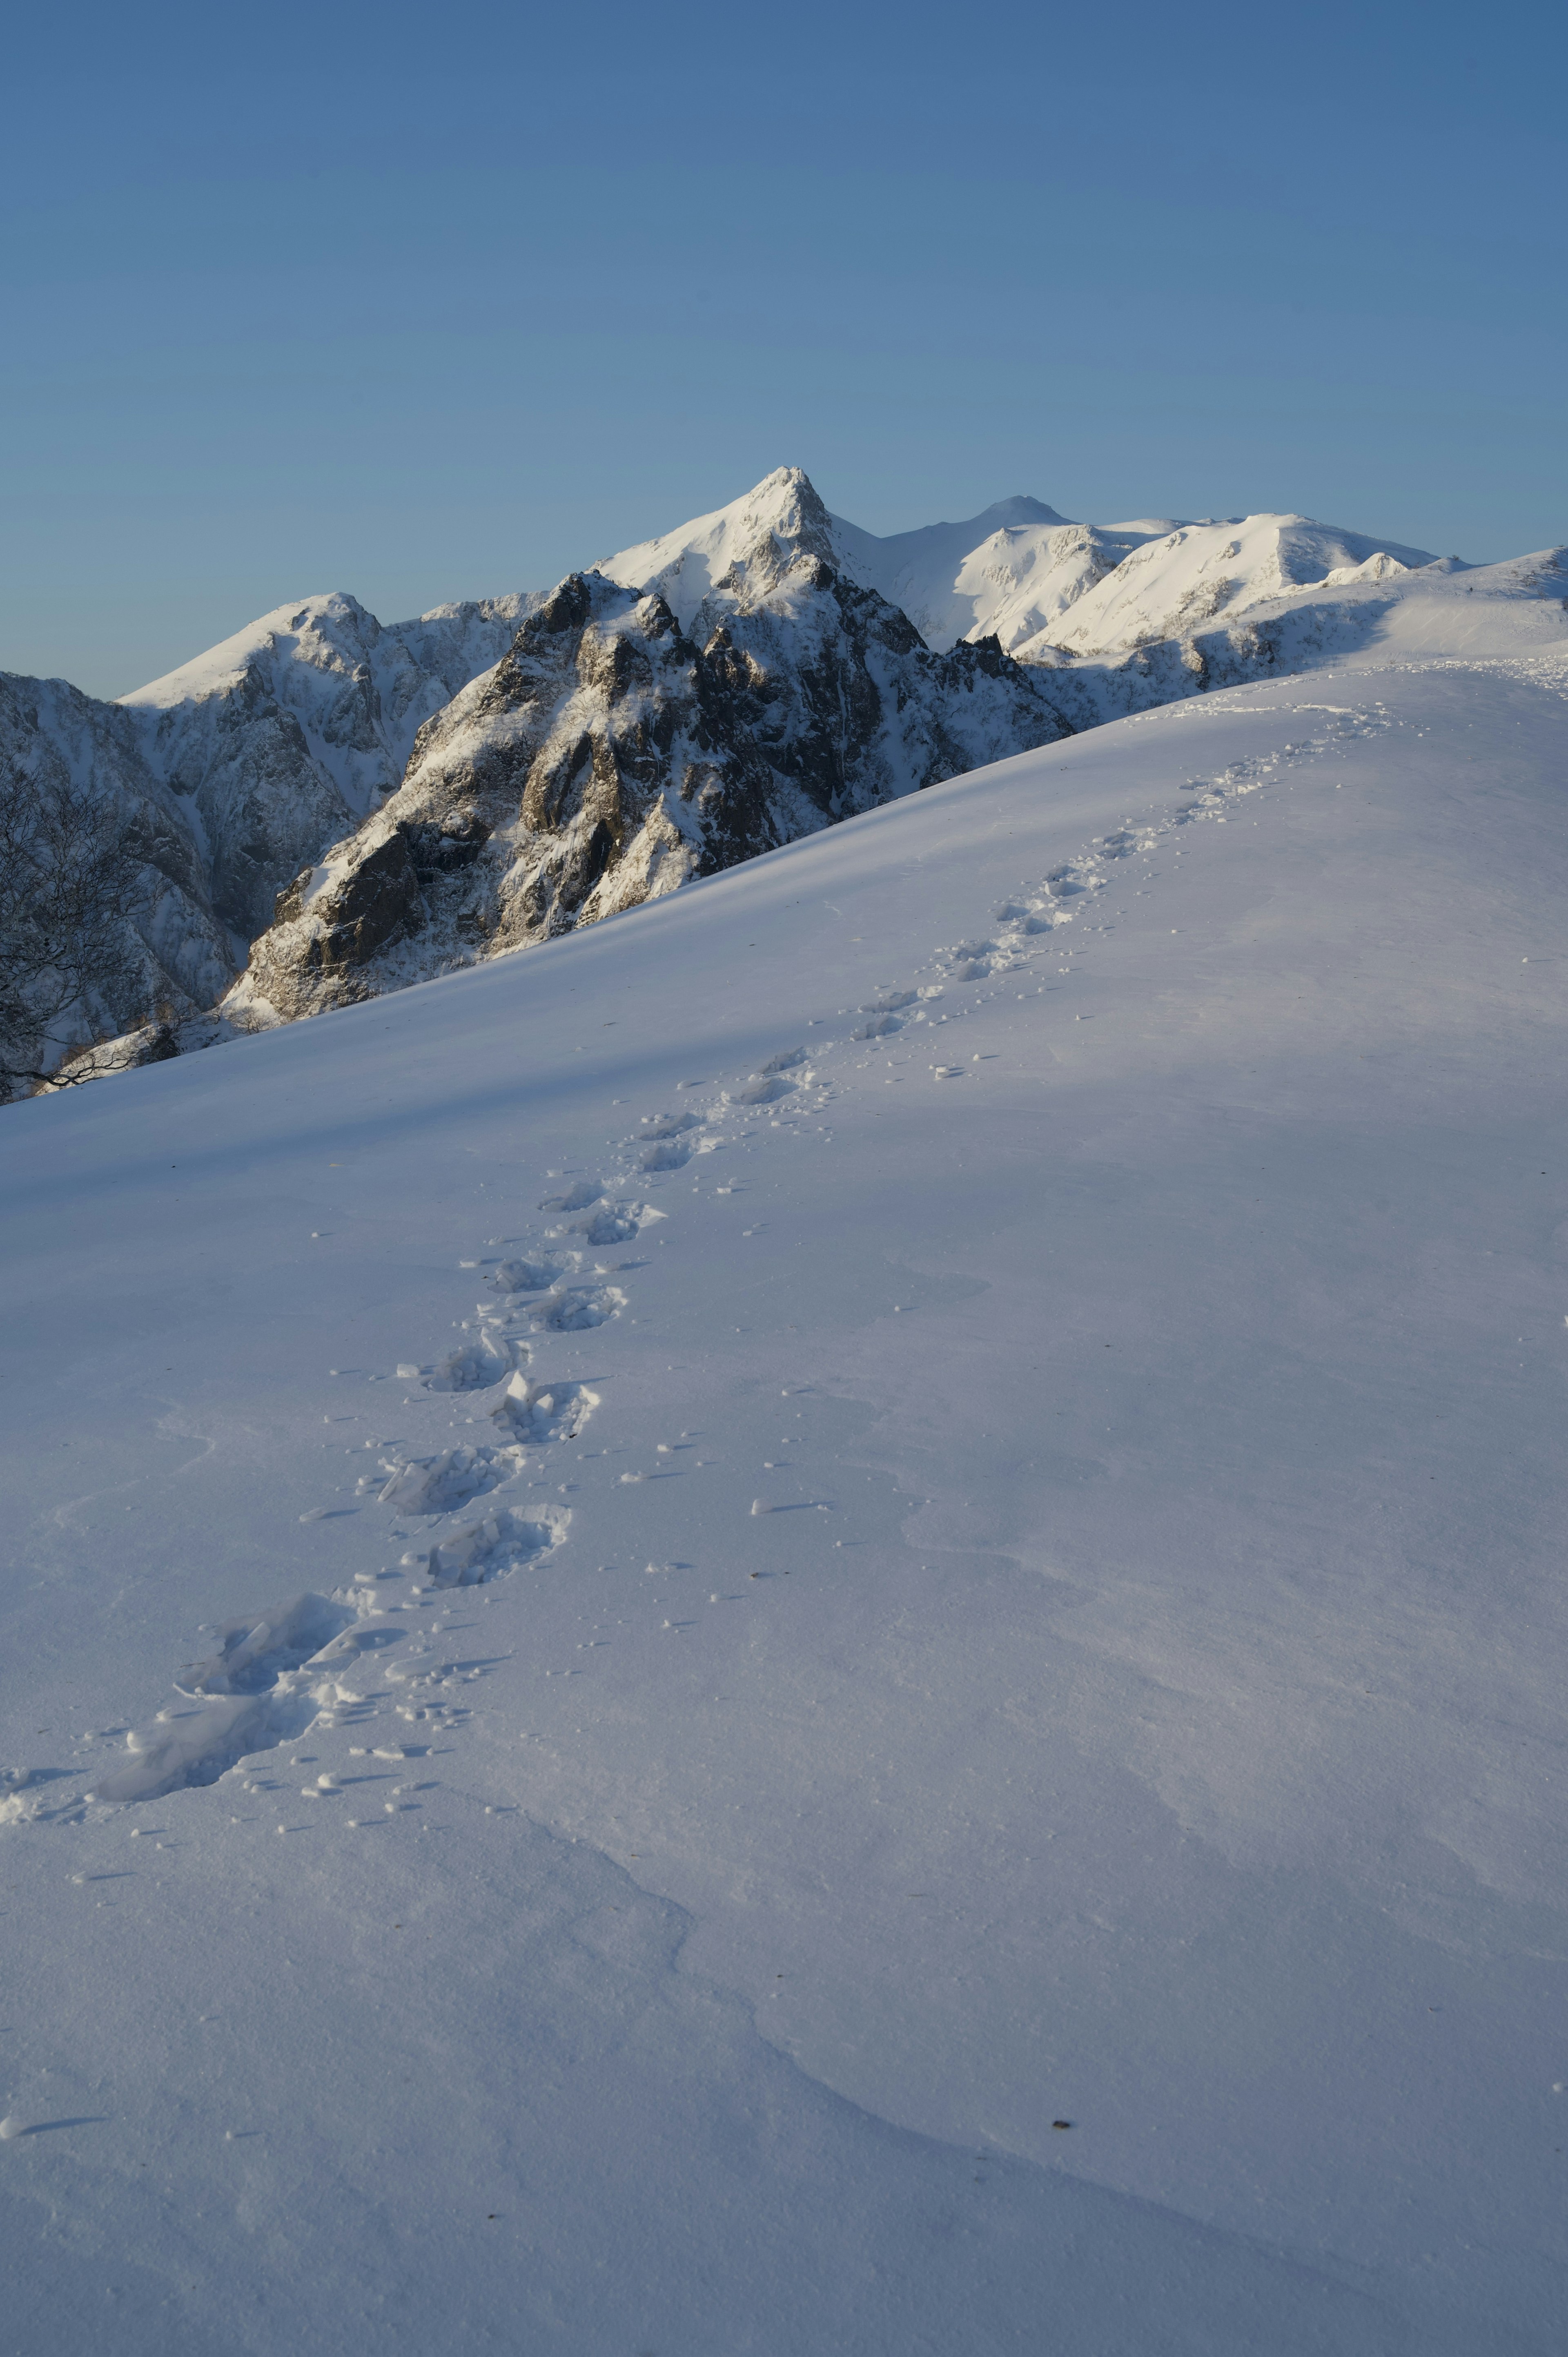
(613, 1224)
(576, 1197)
(574, 1308)
(526, 1275)
(475, 1365)
(656, 1126)
(540, 1413)
(273, 1673)
(440, 1484)
(486, 1549)
(762, 1088)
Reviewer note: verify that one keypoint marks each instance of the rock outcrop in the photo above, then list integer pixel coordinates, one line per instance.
(611, 754)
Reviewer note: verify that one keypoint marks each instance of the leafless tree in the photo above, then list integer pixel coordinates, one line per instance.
(67, 955)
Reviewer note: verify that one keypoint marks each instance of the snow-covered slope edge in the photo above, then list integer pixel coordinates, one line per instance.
(1061, 1589)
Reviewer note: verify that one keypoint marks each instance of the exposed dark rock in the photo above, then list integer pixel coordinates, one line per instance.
(610, 755)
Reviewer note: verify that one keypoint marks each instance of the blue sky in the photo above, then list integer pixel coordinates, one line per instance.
(431, 303)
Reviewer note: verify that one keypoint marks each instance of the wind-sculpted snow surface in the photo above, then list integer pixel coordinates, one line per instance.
(975, 1741)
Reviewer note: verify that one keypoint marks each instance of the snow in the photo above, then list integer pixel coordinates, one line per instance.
(978, 1742)
(358, 691)
(1021, 572)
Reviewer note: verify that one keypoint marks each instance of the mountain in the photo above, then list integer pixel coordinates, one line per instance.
(614, 753)
(63, 753)
(814, 670)
(1045, 587)
(228, 775)
(297, 727)
(833, 1620)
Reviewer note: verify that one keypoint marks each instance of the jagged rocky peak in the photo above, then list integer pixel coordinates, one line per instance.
(613, 753)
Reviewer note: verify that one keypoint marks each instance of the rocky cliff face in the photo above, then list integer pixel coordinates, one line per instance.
(611, 754)
(175, 952)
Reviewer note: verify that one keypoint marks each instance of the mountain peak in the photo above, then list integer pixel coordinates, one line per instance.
(780, 518)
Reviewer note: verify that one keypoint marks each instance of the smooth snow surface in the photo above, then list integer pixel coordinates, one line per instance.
(908, 1497)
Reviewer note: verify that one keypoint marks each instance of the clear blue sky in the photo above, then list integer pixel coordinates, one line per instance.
(429, 303)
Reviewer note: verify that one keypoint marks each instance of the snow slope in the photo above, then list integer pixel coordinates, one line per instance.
(930, 1475)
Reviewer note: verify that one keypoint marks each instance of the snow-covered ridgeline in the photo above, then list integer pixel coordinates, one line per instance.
(1043, 585)
(320, 752)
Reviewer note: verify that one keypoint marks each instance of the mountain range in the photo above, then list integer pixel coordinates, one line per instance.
(322, 807)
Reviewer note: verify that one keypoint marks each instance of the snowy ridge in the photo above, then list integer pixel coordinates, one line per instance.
(358, 690)
(1019, 571)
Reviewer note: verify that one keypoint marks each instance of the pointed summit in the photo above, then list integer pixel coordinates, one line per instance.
(778, 519)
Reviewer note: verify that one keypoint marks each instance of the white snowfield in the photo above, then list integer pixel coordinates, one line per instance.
(833, 1620)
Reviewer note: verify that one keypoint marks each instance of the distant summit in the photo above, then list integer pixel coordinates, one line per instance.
(427, 793)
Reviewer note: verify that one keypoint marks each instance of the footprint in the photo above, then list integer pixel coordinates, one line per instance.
(543, 1412)
(967, 960)
(255, 1651)
(439, 1484)
(888, 1002)
(576, 1197)
(664, 1124)
(524, 1276)
(877, 1027)
(572, 1310)
(270, 1677)
(784, 1062)
(761, 1089)
(612, 1223)
(475, 1365)
(494, 1545)
(664, 1157)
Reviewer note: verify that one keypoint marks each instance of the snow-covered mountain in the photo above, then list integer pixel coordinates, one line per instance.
(815, 670)
(831, 1620)
(232, 772)
(179, 951)
(611, 755)
(298, 725)
(1041, 584)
